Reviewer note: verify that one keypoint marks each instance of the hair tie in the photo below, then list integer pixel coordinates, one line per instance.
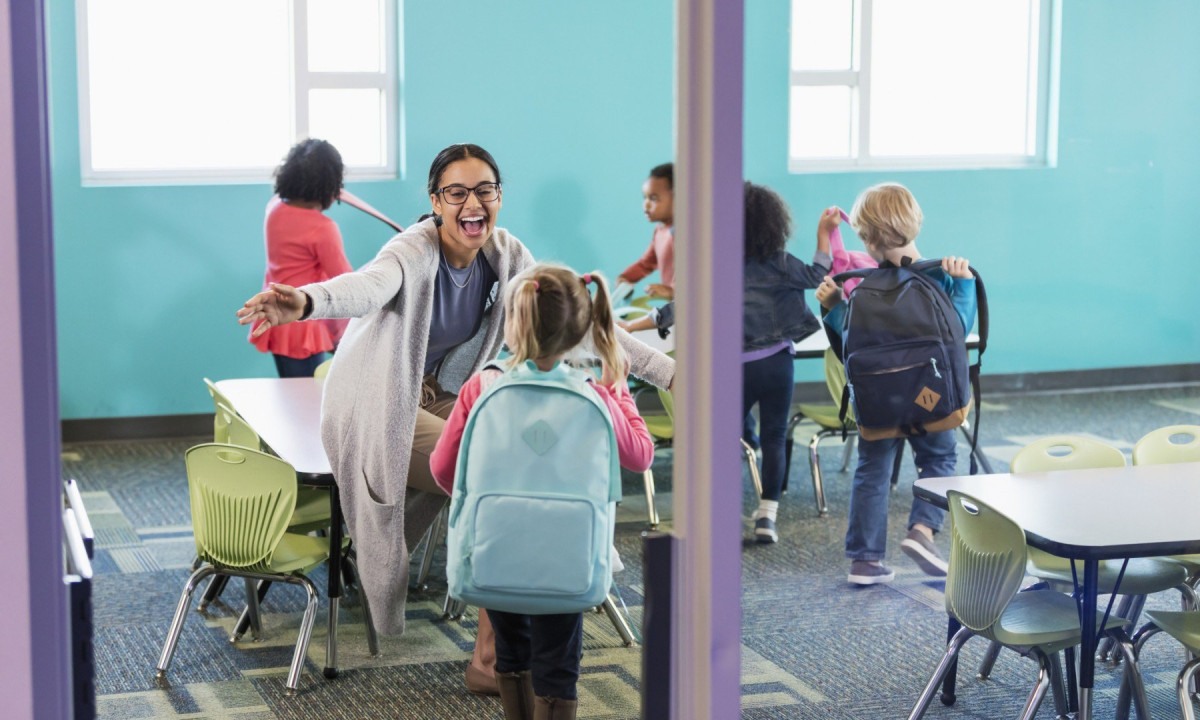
(535, 285)
(587, 278)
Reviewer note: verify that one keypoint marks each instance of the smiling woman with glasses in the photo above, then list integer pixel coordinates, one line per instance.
(426, 318)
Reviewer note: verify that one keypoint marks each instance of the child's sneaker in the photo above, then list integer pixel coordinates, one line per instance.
(864, 572)
(764, 531)
(924, 553)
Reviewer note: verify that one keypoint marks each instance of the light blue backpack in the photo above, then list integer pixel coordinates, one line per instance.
(531, 517)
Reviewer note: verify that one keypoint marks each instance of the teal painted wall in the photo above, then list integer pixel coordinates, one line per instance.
(573, 99)
(1088, 264)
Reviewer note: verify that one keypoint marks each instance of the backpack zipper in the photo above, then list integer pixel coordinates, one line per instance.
(911, 366)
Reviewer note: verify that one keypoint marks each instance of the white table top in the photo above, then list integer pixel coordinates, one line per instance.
(1133, 511)
(286, 413)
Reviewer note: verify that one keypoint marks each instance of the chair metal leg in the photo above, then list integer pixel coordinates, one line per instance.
(216, 586)
(752, 462)
(306, 626)
(432, 538)
(1132, 677)
(1138, 642)
(243, 621)
(618, 619)
(372, 638)
(1057, 690)
(989, 660)
(1181, 689)
(185, 599)
(814, 464)
(453, 608)
(952, 649)
(1107, 645)
(1039, 690)
(651, 510)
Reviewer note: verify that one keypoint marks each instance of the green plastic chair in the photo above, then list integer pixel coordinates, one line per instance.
(320, 371)
(1169, 445)
(220, 426)
(1142, 576)
(661, 426)
(241, 502)
(312, 504)
(986, 569)
(1184, 627)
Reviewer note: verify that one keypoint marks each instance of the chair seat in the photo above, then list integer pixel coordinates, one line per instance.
(1042, 618)
(312, 511)
(299, 553)
(827, 416)
(1183, 626)
(660, 427)
(1191, 563)
(1143, 576)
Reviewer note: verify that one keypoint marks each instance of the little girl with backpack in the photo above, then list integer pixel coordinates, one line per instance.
(530, 455)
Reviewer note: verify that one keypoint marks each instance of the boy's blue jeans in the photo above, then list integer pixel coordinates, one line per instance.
(866, 536)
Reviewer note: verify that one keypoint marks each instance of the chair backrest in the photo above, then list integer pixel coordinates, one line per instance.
(987, 562)
(1159, 447)
(835, 380)
(322, 370)
(1066, 452)
(237, 430)
(241, 502)
(668, 402)
(220, 424)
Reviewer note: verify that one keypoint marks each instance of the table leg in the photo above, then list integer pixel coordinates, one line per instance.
(1087, 647)
(948, 682)
(335, 579)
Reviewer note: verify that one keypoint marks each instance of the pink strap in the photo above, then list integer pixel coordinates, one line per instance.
(354, 201)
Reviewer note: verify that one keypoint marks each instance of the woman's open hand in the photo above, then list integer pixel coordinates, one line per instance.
(279, 305)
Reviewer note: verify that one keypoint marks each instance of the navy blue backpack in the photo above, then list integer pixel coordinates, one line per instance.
(907, 367)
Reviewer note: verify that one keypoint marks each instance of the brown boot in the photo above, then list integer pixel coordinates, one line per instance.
(516, 695)
(481, 672)
(548, 708)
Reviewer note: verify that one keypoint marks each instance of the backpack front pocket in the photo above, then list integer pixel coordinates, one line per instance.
(534, 544)
(901, 385)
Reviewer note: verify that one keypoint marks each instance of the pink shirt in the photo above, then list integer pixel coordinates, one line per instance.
(635, 447)
(659, 256)
(303, 246)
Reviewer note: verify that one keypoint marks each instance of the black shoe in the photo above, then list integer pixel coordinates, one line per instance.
(764, 531)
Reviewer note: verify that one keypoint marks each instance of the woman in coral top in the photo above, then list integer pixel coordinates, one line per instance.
(303, 246)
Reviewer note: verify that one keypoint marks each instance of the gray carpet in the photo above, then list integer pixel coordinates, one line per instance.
(813, 646)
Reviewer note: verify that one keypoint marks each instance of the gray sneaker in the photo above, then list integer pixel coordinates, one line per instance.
(764, 531)
(863, 572)
(924, 553)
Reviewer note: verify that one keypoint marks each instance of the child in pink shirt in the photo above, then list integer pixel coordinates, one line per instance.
(548, 313)
(658, 202)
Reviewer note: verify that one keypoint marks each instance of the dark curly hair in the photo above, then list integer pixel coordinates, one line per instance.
(311, 172)
(666, 171)
(768, 221)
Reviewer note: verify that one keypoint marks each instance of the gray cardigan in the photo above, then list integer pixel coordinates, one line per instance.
(372, 394)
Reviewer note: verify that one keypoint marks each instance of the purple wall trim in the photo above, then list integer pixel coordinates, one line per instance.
(709, 223)
(49, 661)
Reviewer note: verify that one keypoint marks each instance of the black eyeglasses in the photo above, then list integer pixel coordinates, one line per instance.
(457, 194)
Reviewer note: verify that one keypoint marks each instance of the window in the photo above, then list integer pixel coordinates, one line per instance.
(882, 84)
(217, 91)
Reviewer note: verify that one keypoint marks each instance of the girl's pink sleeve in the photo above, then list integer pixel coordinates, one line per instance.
(444, 458)
(635, 447)
(331, 254)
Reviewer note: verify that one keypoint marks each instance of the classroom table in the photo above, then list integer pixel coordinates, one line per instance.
(286, 414)
(1072, 514)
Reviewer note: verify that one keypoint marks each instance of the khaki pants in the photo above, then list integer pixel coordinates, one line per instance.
(436, 405)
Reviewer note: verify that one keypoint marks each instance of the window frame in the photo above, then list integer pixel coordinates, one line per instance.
(386, 80)
(1042, 88)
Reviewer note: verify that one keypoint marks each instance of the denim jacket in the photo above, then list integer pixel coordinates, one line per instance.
(773, 307)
